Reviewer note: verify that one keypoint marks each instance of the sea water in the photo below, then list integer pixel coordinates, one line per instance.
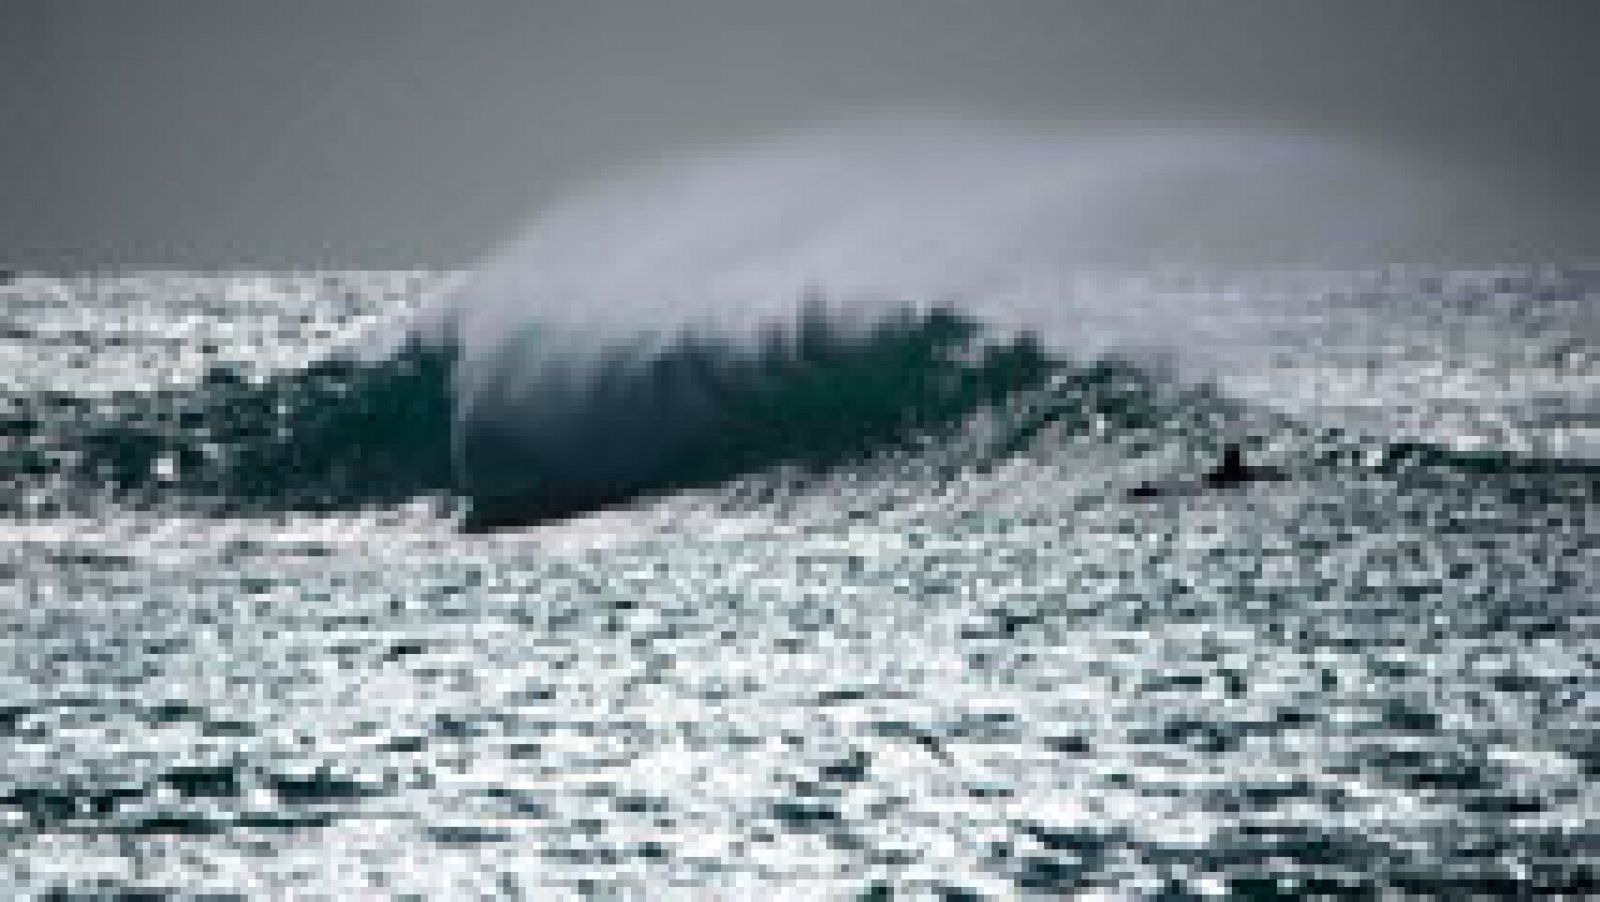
(967, 665)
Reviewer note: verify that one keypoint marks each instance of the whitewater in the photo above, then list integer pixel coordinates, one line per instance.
(759, 522)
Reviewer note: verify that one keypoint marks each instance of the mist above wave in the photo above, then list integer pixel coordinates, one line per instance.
(1003, 219)
(1018, 228)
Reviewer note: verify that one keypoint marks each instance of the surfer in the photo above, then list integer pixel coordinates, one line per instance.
(1232, 472)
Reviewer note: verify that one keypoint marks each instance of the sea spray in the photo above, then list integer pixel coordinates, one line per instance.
(635, 332)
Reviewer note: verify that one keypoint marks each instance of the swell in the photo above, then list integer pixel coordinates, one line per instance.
(522, 443)
(336, 434)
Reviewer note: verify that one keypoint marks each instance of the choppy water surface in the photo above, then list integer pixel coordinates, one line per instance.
(941, 672)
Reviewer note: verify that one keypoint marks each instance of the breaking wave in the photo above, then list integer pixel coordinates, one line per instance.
(347, 432)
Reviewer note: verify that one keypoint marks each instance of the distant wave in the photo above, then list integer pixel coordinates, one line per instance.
(338, 433)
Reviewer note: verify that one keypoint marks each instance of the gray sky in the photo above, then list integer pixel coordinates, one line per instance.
(217, 133)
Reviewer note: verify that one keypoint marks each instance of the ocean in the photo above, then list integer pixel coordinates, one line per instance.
(286, 619)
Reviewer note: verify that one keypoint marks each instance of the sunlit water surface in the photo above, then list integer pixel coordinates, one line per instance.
(868, 684)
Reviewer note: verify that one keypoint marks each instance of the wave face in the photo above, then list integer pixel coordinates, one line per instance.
(808, 399)
(702, 410)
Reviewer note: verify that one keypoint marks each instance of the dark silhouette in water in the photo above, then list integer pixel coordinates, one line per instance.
(1233, 472)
